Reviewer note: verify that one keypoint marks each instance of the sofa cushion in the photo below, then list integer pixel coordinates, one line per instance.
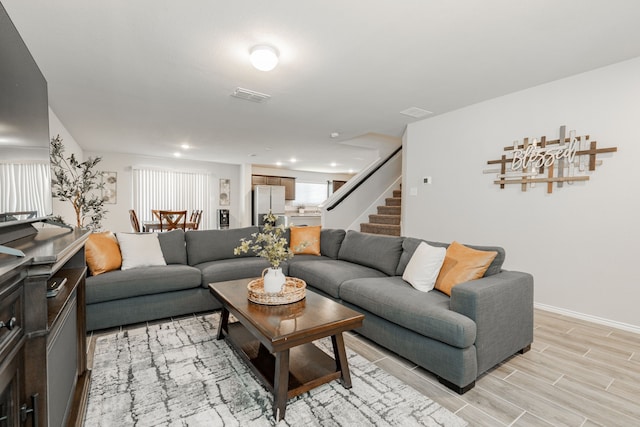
(212, 245)
(102, 253)
(303, 258)
(426, 313)
(328, 275)
(462, 264)
(173, 246)
(330, 241)
(372, 250)
(141, 281)
(231, 269)
(410, 244)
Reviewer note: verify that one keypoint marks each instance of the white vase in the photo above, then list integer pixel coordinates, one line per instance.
(273, 279)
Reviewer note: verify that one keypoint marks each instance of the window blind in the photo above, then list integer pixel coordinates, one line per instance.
(171, 190)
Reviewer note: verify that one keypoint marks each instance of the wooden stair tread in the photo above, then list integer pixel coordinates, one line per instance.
(389, 210)
(387, 220)
(384, 219)
(386, 229)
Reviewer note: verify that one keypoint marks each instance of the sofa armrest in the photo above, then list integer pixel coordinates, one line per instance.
(502, 307)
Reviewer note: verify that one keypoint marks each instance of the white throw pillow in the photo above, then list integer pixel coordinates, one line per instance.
(424, 266)
(140, 250)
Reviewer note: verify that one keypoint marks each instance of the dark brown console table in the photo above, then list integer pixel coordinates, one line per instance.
(44, 379)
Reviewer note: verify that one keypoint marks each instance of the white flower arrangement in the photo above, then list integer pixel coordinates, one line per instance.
(269, 243)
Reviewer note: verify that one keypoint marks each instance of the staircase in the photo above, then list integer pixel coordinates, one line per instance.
(387, 220)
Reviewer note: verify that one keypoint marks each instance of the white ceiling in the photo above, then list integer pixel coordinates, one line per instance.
(144, 76)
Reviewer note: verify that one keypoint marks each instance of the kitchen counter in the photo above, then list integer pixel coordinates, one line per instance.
(296, 218)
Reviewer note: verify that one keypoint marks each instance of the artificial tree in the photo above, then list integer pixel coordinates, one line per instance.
(78, 183)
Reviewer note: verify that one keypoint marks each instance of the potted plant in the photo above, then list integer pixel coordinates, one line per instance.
(77, 182)
(270, 244)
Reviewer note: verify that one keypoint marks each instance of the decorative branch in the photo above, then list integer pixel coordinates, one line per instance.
(76, 182)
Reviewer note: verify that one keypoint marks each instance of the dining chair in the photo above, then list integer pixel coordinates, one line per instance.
(194, 221)
(197, 221)
(170, 220)
(135, 224)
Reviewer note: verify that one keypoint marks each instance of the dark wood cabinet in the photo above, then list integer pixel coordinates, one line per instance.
(273, 180)
(12, 339)
(289, 188)
(258, 180)
(287, 182)
(47, 371)
(337, 185)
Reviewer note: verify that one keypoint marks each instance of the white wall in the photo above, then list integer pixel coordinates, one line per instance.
(579, 242)
(117, 219)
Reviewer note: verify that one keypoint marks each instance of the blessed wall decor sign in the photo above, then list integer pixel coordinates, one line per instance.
(566, 159)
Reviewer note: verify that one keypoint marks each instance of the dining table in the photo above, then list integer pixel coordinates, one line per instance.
(150, 226)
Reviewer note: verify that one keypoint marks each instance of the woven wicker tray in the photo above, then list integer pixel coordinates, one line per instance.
(292, 291)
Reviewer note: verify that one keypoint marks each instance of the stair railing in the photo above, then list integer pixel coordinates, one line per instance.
(360, 179)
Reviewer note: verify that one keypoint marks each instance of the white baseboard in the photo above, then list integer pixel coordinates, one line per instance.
(589, 318)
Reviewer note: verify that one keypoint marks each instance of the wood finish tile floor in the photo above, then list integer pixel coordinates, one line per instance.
(577, 373)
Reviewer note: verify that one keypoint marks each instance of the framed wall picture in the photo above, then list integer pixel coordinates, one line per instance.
(225, 191)
(110, 189)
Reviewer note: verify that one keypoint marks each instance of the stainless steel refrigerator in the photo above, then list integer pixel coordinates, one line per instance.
(268, 198)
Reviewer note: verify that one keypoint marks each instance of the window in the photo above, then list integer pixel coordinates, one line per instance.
(311, 193)
(25, 187)
(171, 190)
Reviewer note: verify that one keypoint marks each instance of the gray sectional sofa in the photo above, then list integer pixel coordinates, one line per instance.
(457, 338)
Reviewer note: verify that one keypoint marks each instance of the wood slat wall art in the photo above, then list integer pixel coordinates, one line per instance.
(566, 159)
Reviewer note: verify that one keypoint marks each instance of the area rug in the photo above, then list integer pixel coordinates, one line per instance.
(177, 374)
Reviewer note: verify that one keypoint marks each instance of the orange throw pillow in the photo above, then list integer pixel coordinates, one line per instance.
(102, 253)
(462, 264)
(305, 240)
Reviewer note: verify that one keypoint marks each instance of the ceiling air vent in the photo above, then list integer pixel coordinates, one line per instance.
(250, 95)
(415, 112)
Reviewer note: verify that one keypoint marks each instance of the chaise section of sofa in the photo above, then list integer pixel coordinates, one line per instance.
(456, 337)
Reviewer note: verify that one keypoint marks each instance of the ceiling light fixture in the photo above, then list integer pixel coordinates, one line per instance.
(264, 58)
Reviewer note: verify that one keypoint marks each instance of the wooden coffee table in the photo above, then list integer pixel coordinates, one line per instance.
(276, 341)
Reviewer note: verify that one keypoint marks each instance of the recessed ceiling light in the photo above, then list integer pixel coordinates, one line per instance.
(293, 160)
(264, 58)
(177, 154)
(278, 163)
(334, 164)
(334, 134)
(350, 170)
(185, 146)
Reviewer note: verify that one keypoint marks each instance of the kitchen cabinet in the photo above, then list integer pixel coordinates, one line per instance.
(258, 180)
(289, 183)
(289, 188)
